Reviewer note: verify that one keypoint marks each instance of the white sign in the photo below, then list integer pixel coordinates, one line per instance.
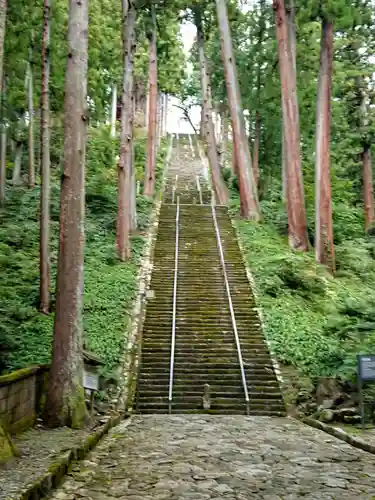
(90, 381)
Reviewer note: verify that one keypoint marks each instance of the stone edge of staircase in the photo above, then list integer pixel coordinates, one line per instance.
(275, 363)
(337, 432)
(132, 351)
(47, 482)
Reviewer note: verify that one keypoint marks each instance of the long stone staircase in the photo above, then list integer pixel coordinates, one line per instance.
(205, 345)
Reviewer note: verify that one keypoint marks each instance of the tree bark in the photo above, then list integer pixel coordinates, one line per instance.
(133, 201)
(16, 178)
(201, 127)
(234, 155)
(30, 90)
(368, 188)
(297, 225)
(256, 149)
(224, 137)
(248, 194)
(133, 179)
(126, 134)
(65, 403)
(218, 184)
(149, 182)
(147, 105)
(114, 110)
(292, 53)
(324, 247)
(3, 13)
(44, 262)
(258, 91)
(283, 163)
(3, 163)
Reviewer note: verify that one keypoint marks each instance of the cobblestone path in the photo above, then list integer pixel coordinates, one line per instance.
(199, 457)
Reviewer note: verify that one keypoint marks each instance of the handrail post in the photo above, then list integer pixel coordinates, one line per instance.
(222, 260)
(173, 339)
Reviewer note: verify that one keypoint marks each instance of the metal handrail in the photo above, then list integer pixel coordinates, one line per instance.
(243, 376)
(199, 189)
(173, 340)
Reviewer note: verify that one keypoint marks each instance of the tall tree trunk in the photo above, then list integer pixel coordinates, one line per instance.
(133, 180)
(44, 262)
(256, 149)
(30, 93)
(296, 204)
(324, 247)
(3, 14)
(3, 163)
(368, 188)
(126, 133)
(149, 182)
(65, 403)
(3, 145)
(114, 110)
(292, 53)
(147, 106)
(283, 163)
(248, 193)
(218, 183)
(133, 200)
(224, 137)
(292, 50)
(16, 178)
(258, 91)
(234, 155)
(201, 125)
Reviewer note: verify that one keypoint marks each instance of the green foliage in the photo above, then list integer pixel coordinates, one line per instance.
(110, 286)
(314, 322)
(171, 58)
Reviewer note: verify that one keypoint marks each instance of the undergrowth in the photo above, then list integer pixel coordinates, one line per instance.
(315, 322)
(110, 286)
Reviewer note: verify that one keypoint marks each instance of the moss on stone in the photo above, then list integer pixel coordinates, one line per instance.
(78, 408)
(18, 375)
(7, 449)
(23, 424)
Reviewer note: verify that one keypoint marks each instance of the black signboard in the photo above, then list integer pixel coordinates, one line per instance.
(366, 373)
(366, 367)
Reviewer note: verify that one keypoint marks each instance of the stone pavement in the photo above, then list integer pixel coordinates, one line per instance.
(199, 457)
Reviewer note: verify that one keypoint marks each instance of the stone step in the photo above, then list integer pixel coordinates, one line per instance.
(194, 400)
(255, 373)
(186, 393)
(257, 413)
(197, 386)
(194, 357)
(196, 404)
(212, 379)
(205, 350)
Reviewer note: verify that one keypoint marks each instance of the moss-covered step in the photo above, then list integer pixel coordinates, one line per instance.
(205, 349)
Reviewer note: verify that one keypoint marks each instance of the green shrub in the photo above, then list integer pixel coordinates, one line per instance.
(226, 173)
(314, 322)
(25, 334)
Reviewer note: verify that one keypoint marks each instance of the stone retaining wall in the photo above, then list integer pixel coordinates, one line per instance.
(21, 394)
